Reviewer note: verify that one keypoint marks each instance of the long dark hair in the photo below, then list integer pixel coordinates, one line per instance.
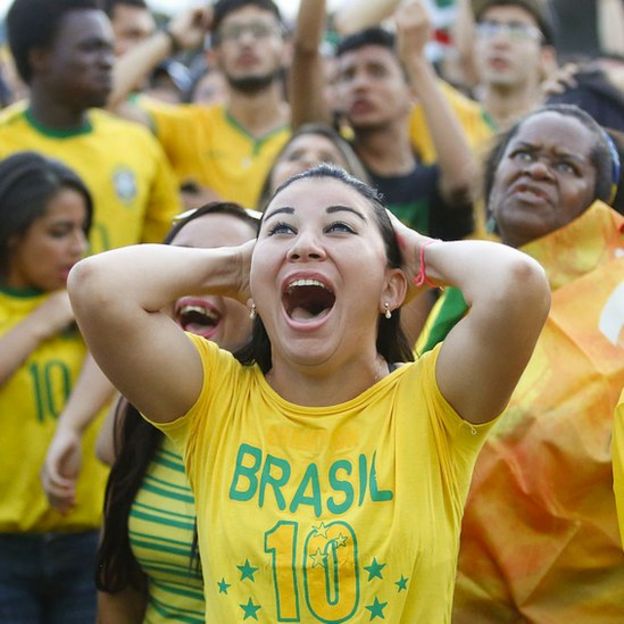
(392, 344)
(116, 566)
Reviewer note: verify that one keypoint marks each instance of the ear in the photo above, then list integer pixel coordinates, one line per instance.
(38, 59)
(548, 62)
(394, 290)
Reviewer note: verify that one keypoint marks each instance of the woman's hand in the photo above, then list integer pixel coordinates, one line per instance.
(53, 315)
(242, 291)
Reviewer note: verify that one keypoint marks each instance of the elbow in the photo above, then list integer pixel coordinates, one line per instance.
(529, 286)
(87, 285)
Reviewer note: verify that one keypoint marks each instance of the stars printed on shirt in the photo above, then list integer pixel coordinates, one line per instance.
(376, 609)
(250, 610)
(247, 571)
(401, 583)
(374, 569)
(318, 558)
(321, 530)
(223, 586)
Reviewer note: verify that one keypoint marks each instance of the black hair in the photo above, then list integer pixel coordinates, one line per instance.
(600, 154)
(370, 36)
(34, 24)
(28, 181)
(223, 8)
(108, 6)
(538, 9)
(117, 567)
(392, 344)
(354, 165)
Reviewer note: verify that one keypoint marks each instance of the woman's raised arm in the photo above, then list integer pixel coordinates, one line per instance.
(119, 297)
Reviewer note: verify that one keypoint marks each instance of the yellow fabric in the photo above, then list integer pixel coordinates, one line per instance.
(617, 450)
(345, 513)
(206, 146)
(161, 527)
(30, 402)
(540, 539)
(470, 115)
(123, 166)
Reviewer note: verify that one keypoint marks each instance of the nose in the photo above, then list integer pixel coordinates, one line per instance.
(539, 170)
(306, 247)
(78, 243)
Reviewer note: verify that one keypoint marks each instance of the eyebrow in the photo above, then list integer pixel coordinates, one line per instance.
(284, 210)
(560, 152)
(328, 210)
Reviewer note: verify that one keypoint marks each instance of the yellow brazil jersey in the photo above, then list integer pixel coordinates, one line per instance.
(161, 527)
(347, 513)
(30, 403)
(472, 118)
(618, 463)
(206, 145)
(134, 191)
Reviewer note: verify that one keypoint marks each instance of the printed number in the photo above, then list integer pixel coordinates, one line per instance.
(330, 571)
(52, 385)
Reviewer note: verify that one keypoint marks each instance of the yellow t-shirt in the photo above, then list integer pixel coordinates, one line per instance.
(30, 403)
(207, 146)
(346, 513)
(472, 118)
(161, 527)
(134, 191)
(617, 451)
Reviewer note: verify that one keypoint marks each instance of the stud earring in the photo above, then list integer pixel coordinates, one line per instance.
(387, 313)
(252, 312)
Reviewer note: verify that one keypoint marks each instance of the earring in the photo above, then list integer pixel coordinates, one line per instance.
(252, 312)
(387, 313)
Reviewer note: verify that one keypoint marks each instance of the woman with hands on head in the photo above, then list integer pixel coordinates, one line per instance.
(46, 558)
(149, 505)
(329, 479)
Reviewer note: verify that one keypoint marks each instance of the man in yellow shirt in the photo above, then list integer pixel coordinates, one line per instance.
(226, 150)
(66, 59)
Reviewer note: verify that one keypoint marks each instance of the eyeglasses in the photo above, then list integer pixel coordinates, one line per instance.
(517, 31)
(258, 30)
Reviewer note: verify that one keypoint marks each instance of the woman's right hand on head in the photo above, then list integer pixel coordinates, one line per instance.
(242, 290)
(53, 315)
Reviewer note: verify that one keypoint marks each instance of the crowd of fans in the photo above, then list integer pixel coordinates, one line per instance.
(484, 127)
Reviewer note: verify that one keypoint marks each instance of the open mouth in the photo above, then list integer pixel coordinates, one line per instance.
(197, 318)
(307, 299)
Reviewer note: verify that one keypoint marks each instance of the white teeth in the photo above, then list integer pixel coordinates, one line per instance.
(200, 310)
(306, 282)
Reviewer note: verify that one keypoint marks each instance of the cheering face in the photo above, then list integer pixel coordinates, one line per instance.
(221, 319)
(545, 178)
(43, 256)
(319, 274)
(304, 152)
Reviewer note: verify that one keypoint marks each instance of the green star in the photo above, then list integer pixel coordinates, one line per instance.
(223, 586)
(321, 530)
(341, 540)
(376, 609)
(318, 558)
(250, 609)
(374, 569)
(402, 583)
(247, 571)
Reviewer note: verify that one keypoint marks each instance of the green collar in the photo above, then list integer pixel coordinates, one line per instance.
(85, 128)
(23, 293)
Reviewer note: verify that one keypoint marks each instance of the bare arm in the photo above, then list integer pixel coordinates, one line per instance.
(118, 297)
(187, 30)
(61, 468)
(458, 168)
(307, 80)
(124, 607)
(359, 14)
(51, 317)
(483, 356)
(108, 442)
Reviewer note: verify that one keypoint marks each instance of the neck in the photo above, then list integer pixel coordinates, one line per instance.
(506, 104)
(313, 388)
(54, 114)
(261, 112)
(386, 150)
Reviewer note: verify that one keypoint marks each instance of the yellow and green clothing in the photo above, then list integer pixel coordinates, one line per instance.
(540, 536)
(207, 146)
(617, 451)
(30, 403)
(346, 513)
(161, 528)
(134, 192)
